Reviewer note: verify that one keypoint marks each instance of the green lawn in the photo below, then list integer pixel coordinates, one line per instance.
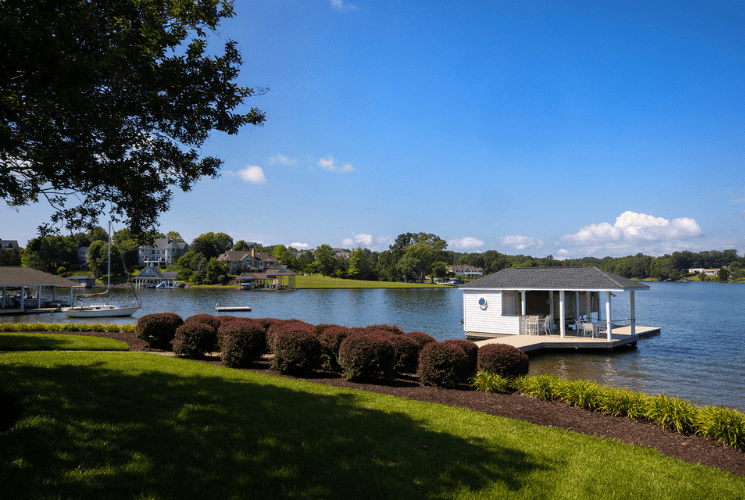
(58, 342)
(138, 425)
(318, 281)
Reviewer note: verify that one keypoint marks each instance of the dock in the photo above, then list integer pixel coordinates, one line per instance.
(531, 343)
(220, 308)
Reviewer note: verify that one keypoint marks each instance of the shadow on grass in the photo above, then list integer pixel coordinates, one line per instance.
(125, 426)
(57, 342)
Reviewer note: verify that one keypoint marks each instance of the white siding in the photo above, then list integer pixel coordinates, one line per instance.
(489, 320)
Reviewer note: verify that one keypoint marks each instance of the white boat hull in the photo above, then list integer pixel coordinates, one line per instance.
(99, 311)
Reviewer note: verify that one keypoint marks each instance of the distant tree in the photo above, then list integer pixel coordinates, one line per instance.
(98, 234)
(47, 253)
(10, 257)
(98, 259)
(175, 236)
(324, 261)
(240, 246)
(212, 244)
(201, 274)
(213, 271)
(723, 274)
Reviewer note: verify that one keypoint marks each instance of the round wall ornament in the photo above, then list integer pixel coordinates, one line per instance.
(482, 303)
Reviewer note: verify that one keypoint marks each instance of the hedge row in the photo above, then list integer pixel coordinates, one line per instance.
(64, 327)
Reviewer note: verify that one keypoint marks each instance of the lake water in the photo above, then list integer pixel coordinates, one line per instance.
(699, 356)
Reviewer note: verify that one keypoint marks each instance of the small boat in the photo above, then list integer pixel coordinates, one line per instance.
(102, 310)
(165, 285)
(220, 308)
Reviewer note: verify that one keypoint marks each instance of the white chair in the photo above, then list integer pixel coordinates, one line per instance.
(545, 325)
(587, 328)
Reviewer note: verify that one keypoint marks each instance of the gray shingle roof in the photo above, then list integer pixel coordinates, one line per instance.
(556, 278)
(13, 277)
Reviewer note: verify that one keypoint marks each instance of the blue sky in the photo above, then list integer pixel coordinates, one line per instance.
(563, 128)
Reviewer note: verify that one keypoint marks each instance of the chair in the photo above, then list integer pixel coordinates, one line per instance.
(586, 328)
(544, 325)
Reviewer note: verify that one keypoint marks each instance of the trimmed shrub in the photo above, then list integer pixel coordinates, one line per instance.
(472, 352)
(331, 339)
(296, 352)
(319, 329)
(386, 328)
(285, 325)
(267, 322)
(442, 364)
(209, 320)
(421, 338)
(726, 425)
(242, 343)
(194, 339)
(407, 353)
(504, 360)
(489, 382)
(160, 326)
(671, 413)
(367, 357)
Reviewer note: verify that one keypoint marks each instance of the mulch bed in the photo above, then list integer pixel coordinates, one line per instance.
(691, 449)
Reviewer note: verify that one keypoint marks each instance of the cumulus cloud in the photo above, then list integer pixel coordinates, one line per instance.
(358, 240)
(282, 160)
(633, 228)
(465, 243)
(299, 246)
(562, 254)
(252, 174)
(520, 242)
(331, 165)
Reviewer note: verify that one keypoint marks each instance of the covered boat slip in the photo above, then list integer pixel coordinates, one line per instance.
(569, 303)
(23, 288)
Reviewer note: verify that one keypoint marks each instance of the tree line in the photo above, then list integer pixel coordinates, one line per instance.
(412, 257)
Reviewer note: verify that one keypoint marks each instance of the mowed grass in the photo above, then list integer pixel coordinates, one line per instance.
(138, 425)
(318, 281)
(58, 342)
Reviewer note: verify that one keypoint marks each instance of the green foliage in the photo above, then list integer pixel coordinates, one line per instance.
(622, 402)
(98, 259)
(367, 357)
(442, 365)
(64, 327)
(194, 339)
(541, 387)
(158, 329)
(489, 382)
(215, 272)
(726, 425)
(671, 413)
(504, 360)
(582, 393)
(67, 61)
(324, 260)
(10, 257)
(296, 351)
(48, 253)
(211, 245)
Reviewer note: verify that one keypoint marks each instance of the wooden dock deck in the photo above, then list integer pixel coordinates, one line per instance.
(531, 343)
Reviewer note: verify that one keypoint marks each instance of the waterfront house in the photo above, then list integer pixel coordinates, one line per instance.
(22, 288)
(152, 276)
(466, 271)
(248, 261)
(503, 303)
(163, 252)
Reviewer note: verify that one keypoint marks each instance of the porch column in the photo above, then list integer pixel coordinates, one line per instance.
(607, 316)
(54, 294)
(632, 319)
(525, 305)
(562, 315)
(71, 295)
(23, 297)
(38, 297)
(588, 304)
(576, 306)
(551, 305)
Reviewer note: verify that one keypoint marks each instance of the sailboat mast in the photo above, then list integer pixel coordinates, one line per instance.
(108, 283)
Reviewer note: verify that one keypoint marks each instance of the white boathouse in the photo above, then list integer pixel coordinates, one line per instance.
(567, 299)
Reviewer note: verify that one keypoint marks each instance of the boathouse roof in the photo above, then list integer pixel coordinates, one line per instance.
(16, 277)
(555, 278)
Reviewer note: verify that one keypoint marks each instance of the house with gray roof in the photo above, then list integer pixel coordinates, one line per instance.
(502, 303)
(163, 252)
(19, 284)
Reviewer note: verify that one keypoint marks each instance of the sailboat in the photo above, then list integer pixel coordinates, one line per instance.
(103, 310)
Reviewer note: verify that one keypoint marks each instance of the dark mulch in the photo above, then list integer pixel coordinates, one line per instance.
(691, 449)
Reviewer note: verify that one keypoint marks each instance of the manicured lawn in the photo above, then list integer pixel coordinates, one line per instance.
(138, 425)
(318, 281)
(58, 342)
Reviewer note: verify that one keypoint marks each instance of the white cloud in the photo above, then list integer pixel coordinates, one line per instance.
(634, 228)
(520, 242)
(465, 243)
(331, 165)
(341, 6)
(299, 246)
(252, 174)
(282, 160)
(358, 240)
(562, 254)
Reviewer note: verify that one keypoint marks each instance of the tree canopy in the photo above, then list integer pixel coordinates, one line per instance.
(104, 105)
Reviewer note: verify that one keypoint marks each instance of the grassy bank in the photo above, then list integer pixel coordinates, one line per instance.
(318, 281)
(136, 425)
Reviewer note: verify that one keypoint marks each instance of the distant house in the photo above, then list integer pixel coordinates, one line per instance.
(248, 261)
(163, 252)
(707, 272)
(86, 281)
(8, 244)
(153, 276)
(82, 255)
(466, 271)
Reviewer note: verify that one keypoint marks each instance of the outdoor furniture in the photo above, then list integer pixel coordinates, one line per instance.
(585, 328)
(545, 325)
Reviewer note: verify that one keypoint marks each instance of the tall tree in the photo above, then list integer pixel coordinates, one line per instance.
(212, 244)
(105, 105)
(48, 253)
(324, 262)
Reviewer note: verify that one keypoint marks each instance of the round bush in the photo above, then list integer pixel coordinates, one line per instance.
(160, 326)
(386, 328)
(367, 357)
(442, 364)
(421, 338)
(331, 339)
(296, 352)
(504, 360)
(407, 353)
(472, 352)
(242, 343)
(194, 339)
(285, 325)
(209, 320)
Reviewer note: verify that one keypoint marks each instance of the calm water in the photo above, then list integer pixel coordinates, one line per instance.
(699, 356)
